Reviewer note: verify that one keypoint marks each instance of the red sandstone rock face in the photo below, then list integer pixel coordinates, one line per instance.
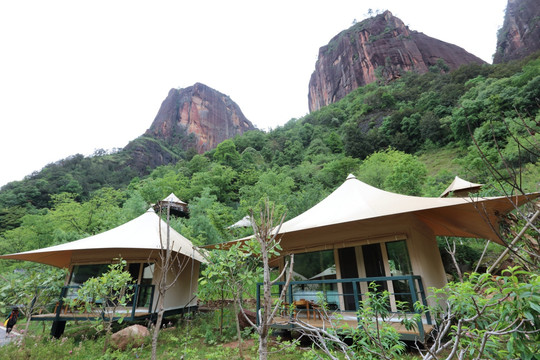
(209, 115)
(381, 47)
(520, 34)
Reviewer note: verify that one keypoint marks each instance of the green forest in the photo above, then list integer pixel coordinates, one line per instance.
(410, 136)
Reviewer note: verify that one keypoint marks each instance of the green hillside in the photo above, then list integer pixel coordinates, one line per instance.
(410, 136)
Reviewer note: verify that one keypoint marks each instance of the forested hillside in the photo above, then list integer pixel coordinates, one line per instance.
(410, 136)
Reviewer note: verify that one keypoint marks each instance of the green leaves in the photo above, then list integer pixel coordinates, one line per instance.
(496, 315)
(100, 296)
(395, 171)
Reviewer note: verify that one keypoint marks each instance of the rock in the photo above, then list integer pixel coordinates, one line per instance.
(379, 48)
(242, 320)
(132, 336)
(210, 116)
(520, 33)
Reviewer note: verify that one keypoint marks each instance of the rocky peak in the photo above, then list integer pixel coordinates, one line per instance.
(520, 33)
(210, 116)
(378, 48)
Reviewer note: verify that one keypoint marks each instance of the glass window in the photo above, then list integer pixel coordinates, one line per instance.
(319, 265)
(398, 258)
(81, 273)
(315, 265)
(145, 291)
(400, 264)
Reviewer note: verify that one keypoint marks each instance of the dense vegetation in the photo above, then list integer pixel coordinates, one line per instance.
(383, 133)
(411, 136)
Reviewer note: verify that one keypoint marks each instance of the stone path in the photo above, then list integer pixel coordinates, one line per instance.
(6, 339)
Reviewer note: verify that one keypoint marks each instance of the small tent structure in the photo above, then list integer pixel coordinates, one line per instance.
(176, 206)
(460, 187)
(139, 243)
(242, 223)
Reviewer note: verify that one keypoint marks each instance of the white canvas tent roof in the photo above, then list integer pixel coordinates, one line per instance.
(243, 222)
(138, 237)
(327, 273)
(460, 185)
(356, 211)
(356, 206)
(173, 199)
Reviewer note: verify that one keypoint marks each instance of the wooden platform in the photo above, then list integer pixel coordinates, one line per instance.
(72, 314)
(285, 322)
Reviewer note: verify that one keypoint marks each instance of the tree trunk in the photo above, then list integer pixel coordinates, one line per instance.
(159, 320)
(267, 304)
(263, 347)
(238, 332)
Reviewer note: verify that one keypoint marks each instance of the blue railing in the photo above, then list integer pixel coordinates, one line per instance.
(348, 300)
(143, 297)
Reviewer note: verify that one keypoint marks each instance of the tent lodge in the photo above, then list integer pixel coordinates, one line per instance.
(370, 235)
(140, 242)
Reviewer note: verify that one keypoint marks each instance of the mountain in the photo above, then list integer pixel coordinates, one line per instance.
(191, 120)
(202, 111)
(520, 33)
(379, 48)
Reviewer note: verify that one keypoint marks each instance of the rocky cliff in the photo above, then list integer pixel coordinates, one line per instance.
(520, 33)
(378, 48)
(201, 112)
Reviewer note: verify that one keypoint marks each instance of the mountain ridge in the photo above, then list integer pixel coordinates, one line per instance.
(380, 48)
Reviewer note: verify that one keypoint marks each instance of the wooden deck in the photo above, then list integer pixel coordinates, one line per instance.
(347, 321)
(72, 314)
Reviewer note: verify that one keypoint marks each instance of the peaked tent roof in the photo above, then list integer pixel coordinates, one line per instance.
(460, 185)
(329, 272)
(173, 199)
(243, 222)
(176, 206)
(141, 233)
(356, 204)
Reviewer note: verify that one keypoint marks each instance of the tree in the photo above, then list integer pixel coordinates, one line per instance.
(101, 296)
(394, 170)
(270, 185)
(487, 317)
(169, 263)
(226, 154)
(34, 288)
(263, 246)
(230, 273)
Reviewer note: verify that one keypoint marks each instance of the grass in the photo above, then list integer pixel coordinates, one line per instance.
(442, 159)
(195, 338)
(188, 338)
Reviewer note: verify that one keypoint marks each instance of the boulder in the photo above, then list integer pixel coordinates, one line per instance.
(132, 336)
(251, 315)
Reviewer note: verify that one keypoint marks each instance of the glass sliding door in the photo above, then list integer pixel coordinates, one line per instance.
(349, 269)
(374, 264)
(400, 264)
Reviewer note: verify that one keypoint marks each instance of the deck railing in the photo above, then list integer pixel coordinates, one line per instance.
(143, 296)
(344, 295)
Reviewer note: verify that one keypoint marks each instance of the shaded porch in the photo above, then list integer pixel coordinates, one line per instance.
(304, 299)
(139, 307)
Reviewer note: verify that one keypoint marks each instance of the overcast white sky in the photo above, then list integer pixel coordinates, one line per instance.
(76, 76)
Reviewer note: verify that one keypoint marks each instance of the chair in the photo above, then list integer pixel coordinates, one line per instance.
(316, 311)
(301, 304)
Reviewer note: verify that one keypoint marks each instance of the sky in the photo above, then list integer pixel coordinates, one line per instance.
(76, 76)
